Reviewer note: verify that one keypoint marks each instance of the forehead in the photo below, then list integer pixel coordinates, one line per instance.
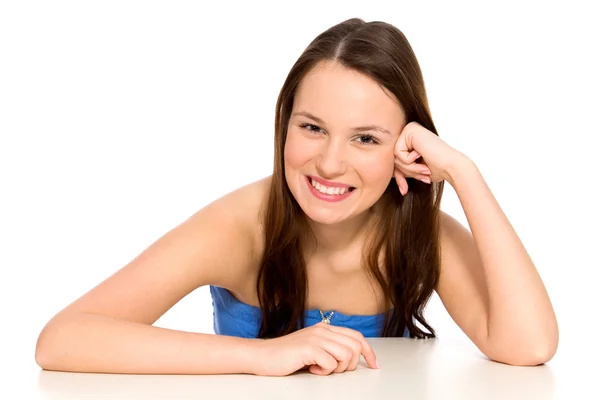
(340, 95)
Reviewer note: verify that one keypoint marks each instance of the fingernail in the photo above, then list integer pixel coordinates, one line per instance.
(377, 364)
(426, 180)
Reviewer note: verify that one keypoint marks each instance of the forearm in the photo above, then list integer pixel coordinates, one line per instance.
(94, 343)
(520, 314)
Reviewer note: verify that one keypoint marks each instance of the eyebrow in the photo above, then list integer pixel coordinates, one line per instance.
(359, 128)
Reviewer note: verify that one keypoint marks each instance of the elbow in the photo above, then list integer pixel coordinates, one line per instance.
(41, 354)
(42, 360)
(42, 350)
(538, 355)
(46, 345)
(524, 352)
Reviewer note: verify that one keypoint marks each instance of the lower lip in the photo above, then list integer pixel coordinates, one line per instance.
(327, 197)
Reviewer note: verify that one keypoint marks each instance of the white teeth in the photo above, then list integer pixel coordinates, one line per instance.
(329, 190)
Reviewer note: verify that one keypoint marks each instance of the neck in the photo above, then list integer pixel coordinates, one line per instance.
(340, 236)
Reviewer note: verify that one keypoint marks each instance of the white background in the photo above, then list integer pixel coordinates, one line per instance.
(120, 119)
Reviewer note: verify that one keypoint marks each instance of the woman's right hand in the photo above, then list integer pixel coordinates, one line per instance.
(323, 348)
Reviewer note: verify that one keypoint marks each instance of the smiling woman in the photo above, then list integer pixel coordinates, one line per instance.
(341, 147)
(339, 116)
(345, 240)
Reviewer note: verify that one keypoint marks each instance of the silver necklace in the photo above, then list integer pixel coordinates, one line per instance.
(326, 319)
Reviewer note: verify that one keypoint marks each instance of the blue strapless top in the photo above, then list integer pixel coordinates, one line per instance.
(235, 318)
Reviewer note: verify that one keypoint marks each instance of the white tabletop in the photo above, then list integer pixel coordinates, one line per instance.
(410, 369)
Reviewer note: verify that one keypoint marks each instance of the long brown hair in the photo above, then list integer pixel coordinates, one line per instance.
(405, 238)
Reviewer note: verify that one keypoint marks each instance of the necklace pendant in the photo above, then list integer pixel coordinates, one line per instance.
(326, 319)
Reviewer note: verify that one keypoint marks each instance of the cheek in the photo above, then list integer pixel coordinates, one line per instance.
(296, 152)
(378, 169)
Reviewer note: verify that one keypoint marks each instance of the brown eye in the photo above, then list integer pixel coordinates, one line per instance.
(367, 139)
(310, 127)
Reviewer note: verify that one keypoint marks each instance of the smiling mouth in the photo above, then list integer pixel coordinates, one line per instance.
(328, 190)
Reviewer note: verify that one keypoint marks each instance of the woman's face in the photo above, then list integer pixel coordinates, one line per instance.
(339, 151)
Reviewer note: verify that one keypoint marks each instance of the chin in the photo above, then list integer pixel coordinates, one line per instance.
(322, 212)
(325, 217)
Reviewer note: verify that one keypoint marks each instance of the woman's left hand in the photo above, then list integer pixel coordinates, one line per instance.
(414, 142)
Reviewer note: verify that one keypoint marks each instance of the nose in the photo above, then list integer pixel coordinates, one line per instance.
(332, 160)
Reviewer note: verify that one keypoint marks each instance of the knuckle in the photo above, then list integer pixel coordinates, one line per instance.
(307, 348)
(312, 342)
(349, 354)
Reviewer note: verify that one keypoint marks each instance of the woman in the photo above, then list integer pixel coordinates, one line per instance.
(344, 241)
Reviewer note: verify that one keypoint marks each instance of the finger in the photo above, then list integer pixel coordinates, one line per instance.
(413, 170)
(413, 156)
(408, 157)
(349, 342)
(323, 362)
(355, 346)
(340, 352)
(401, 182)
(366, 349)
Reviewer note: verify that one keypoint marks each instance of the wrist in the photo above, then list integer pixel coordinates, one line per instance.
(253, 359)
(461, 167)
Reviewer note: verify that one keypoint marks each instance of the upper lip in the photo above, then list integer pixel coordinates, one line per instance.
(329, 183)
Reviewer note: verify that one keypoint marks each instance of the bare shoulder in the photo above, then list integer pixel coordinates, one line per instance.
(237, 217)
(462, 286)
(248, 201)
(217, 245)
(456, 243)
(454, 236)
(448, 225)
(247, 206)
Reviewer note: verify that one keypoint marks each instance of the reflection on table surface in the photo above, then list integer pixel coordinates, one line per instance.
(411, 369)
